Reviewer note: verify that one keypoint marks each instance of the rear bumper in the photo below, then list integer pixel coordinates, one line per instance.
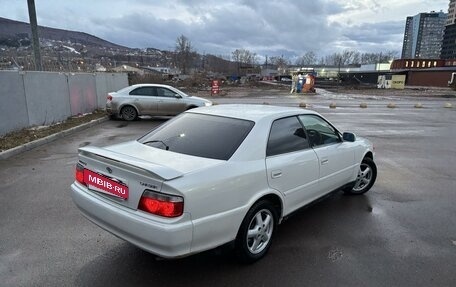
(109, 110)
(168, 238)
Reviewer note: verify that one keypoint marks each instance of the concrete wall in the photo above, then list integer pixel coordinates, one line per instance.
(108, 82)
(43, 98)
(13, 105)
(83, 93)
(47, 97)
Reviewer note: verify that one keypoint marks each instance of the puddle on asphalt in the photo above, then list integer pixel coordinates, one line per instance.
(122, 125)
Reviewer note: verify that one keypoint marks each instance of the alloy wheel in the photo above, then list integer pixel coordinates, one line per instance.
(260, 231)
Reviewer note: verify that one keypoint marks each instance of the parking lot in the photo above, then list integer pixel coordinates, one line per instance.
(401, 233)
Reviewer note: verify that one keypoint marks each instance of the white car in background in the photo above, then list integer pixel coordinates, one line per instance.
(152, 100)
(220, 174)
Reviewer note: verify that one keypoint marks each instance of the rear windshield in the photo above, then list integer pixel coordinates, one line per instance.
(200, 135)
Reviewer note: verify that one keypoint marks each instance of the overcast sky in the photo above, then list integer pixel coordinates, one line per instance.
(273, 28)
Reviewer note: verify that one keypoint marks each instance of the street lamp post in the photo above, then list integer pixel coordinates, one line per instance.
(35, 39)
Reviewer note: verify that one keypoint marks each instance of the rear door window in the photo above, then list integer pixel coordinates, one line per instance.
(143, 91)
(287, 135)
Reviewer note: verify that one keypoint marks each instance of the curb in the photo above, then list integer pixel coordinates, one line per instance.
(39, 142)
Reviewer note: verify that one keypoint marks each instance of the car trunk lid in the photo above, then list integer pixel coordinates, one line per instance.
(124, 171)
(122, 178)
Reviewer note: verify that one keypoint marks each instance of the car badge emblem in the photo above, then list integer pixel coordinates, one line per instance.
(109, 170)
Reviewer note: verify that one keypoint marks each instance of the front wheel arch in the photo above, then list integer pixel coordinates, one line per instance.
(367, 174)
(370, 155)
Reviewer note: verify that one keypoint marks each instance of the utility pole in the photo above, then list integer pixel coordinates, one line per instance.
(35, 39)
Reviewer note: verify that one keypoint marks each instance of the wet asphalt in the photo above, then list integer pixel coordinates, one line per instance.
(401, 233)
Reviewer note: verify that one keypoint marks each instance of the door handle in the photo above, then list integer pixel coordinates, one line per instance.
(276, 173)
(324, 161)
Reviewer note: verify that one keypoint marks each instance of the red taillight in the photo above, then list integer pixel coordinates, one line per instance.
(161, 204)
(79, 176)
(109, 98)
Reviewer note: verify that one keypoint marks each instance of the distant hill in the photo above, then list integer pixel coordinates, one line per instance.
(16, 33)
(64, 50)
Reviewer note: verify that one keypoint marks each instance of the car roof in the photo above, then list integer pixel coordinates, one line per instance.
(251, 112)
(149, 85)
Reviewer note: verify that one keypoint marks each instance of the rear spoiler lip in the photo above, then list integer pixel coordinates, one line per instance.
(161, 171)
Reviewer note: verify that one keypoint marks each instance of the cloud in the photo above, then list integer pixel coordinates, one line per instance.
(376, 34)
(273, 28)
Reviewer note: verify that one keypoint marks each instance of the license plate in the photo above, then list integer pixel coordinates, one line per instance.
(105, 184)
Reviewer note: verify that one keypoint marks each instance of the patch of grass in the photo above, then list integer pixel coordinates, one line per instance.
(26, 135)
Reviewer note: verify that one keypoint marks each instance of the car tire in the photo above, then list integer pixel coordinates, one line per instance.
(113, 117)
(255, 234)
(367, 174)
(128, 113)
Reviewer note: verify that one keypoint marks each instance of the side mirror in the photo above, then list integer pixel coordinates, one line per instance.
(178, 96)
(349, 137)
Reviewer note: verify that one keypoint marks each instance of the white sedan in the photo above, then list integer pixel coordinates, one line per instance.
(220, 174)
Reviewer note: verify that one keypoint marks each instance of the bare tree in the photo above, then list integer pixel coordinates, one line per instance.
(322, 61)
(309, 58)
(243, 57)
(346, 57)
(333, 59)
(369, 58)
(382, 57)
(390, 55)
(281, 63)
(350, 57)
(356, 58)
(184, 53)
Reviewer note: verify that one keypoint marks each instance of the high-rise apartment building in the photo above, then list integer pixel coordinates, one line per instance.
(423, 35)
(449, 38)
(451, 19)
